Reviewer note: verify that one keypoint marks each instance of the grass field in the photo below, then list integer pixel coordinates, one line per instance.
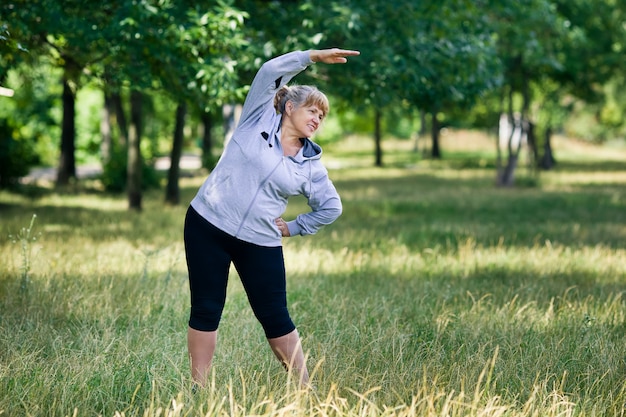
(435, 294)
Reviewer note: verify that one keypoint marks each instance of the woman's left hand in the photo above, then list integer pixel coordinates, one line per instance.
(282, 226)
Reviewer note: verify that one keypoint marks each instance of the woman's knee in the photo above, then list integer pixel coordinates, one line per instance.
(275, 323)
(205, 314)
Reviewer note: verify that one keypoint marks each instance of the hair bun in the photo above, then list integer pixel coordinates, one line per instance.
(281, 98)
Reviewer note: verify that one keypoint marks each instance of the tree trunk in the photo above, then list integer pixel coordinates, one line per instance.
(533, 153)
(506, 175)
(122, 124)
(67, 161)
(530, 137)
(207, 140)
(172, 191)
(378, 138)
(422, 132)
(507, 178)
(106, 146)
(435, 151)
(230, 114)
(548, 161)
(134, 167)
(499, 148)
(423, 122)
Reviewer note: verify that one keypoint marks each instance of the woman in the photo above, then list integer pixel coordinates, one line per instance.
(235, 216)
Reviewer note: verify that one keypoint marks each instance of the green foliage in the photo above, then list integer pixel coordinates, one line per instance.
(582, 123)
(209, 161)
(184, 50)
(33, 111)
(347, 121)
(591, 50)
(598, 122)
(88, 117)
(447, 57)
(114, 174)
(16, 155)
(354, 121)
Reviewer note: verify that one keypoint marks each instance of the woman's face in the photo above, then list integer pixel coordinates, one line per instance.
(306, 119)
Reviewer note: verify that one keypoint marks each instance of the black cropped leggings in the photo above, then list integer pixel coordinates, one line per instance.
(209, 252)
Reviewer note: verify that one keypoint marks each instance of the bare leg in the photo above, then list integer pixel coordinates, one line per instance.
(288, 350)
(201, 346)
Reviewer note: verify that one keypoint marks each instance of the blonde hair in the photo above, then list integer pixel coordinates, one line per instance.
(300, 95)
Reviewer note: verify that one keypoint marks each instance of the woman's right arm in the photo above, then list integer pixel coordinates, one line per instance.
(278, 71)
(272, 75)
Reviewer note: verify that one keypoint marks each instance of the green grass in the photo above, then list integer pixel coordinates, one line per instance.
(435, 294)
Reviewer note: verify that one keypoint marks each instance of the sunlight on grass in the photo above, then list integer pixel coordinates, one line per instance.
(435, 294)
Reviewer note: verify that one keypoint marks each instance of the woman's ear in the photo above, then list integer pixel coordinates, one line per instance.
(288, 107)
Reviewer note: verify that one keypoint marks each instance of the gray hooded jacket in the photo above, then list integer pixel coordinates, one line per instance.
(249, 187)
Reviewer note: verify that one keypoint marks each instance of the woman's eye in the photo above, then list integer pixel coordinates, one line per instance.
(316, 112)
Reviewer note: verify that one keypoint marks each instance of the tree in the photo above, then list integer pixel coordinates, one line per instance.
(73, 34)
(371, 79)
(431, 54)
(172, 191)
(67, 162)
(526, 32)
(179, 49)
(365, 83)
(210, 39)
(14, 153)
(135, 161)
(552, 49)
(591, 54)
(455, 60)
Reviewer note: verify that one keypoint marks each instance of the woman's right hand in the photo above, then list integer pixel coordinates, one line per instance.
(282, 226)
(332, 56)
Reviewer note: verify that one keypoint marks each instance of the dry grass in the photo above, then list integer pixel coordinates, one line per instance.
(435, 294)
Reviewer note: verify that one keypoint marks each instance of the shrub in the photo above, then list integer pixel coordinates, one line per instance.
(114, 174)
(16, 156)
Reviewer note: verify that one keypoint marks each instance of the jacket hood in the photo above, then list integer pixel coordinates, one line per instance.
(310, 149)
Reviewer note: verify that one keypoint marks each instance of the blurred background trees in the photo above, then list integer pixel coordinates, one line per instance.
(122, 83)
